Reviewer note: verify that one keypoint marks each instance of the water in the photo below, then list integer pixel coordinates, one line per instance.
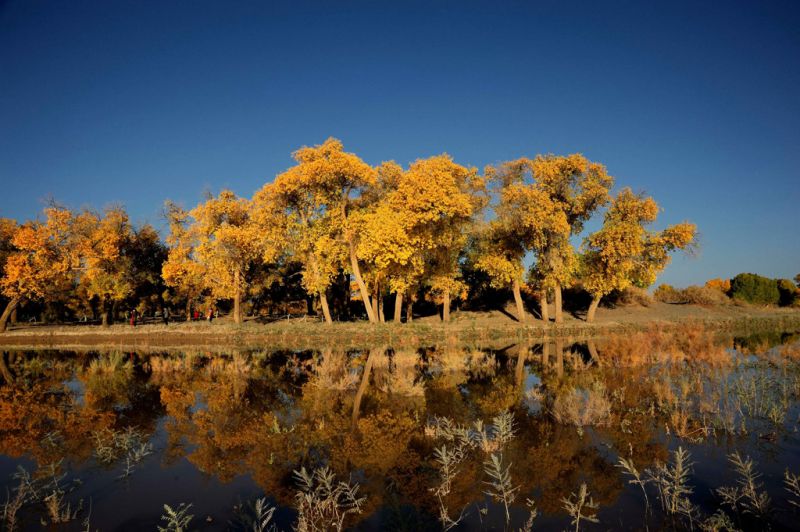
(118, 435)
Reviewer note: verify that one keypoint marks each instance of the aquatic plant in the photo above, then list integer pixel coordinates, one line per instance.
(637, 479)
(177, 519)
(111, 445)
(792, 485)
(579, 506)
(322, 502)
(500, 487)
(748, 495)
(672, 484)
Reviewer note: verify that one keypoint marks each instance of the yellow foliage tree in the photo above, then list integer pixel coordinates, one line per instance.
(320, 196)
(181, 271)
(543, 202)
(623, 252)
(41, 262)
(104, 245)
(441, 200)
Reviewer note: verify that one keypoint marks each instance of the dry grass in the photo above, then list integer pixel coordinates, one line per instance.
(583, 407)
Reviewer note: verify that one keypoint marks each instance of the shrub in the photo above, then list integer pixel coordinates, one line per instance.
(755, 289)
(789, 294)
(631, 295)
(667, 294)
(702, 295)
(723, 285)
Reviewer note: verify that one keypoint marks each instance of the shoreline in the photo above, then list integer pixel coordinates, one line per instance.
(301, 333)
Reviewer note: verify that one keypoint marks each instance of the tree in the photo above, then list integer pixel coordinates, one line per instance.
(181, 271)
(319, 196)
(624, 253)
(42, 261)
(441, 200)
(229, 244)
(390, 240)
(549, 198)
(107, 265)
(499, 253)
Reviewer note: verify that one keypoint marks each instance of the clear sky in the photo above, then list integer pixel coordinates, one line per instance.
(696, 103)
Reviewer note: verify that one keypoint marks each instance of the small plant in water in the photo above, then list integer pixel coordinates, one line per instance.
(500, 487)
(748, 495)
(177, 519)
(672, 483)
(792, 485)
(579, 506)
(322, 502)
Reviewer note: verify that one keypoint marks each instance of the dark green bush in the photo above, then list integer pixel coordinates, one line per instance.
(755, 289)
(788, 293)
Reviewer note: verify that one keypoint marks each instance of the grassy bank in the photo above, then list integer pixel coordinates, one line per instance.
(467, 328)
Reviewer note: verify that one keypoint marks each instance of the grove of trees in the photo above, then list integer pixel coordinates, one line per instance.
(333, 229)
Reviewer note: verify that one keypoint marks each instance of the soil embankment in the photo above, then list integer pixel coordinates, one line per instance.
(482, 328)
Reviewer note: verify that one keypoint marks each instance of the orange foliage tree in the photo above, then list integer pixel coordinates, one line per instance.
(41, 261)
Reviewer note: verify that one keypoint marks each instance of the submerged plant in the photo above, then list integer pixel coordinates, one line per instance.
(579, 506)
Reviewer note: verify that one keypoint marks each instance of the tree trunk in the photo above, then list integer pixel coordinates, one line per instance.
(237, 299)
(323, 302)
(398, 307)
(380, 310)
(107, 314)
(374, 301)
(593, 308)
(518, 301)
(362, 288)
(545, 354)
(446, 306)
(544, 305)
(410, 310)
(188, 310)
(10, 307)
(559, 313)
(14, 316)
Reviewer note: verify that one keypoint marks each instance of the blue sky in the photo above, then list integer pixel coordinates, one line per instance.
(695, 103)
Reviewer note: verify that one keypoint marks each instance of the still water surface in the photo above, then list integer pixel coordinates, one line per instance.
(117, 435)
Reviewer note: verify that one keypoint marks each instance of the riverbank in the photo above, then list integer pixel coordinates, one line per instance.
(480, 328)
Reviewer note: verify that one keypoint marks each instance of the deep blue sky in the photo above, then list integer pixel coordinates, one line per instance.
(135, 102)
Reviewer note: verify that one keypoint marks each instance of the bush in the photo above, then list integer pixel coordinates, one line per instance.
(702, 295)
(723, 285)
(755, 289)
(789, 294)
(667, 294)
(631, 295)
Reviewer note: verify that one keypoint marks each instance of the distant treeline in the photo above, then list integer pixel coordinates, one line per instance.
(339, 234)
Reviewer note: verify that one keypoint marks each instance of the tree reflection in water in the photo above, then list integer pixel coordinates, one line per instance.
(257, 417)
